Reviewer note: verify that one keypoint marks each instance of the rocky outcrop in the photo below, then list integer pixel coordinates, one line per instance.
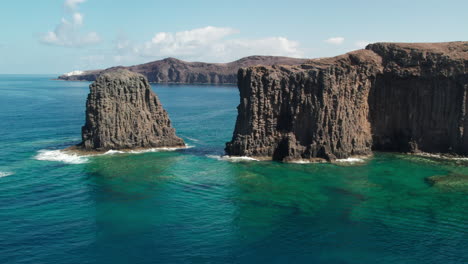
(122, 112)
(388, 97)
(172, 70)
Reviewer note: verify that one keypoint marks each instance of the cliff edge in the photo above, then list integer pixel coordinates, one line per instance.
(122, 112)
(388, 97)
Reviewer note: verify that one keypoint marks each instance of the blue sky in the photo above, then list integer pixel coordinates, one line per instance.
(57, 36)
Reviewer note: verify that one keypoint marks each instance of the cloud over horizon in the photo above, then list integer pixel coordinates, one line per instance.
(67, 33)
(335, 40)
(211, 44)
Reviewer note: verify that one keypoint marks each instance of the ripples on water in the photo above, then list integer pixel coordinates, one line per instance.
(196, 206)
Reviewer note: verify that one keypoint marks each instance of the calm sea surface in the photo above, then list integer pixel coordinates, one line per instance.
(191, 206)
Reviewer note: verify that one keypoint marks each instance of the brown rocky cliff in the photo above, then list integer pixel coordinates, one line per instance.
(419, 102)
(396, 97)
(122, 112)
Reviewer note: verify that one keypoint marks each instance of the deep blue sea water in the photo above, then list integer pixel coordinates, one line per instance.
(191, 206)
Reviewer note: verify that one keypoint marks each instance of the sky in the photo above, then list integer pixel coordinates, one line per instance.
(58, 36)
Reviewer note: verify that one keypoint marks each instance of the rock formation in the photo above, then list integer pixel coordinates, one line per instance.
(172, 70)
(122, 112)
(388, 97)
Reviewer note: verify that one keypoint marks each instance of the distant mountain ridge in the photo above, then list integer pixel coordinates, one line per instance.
(172, 70)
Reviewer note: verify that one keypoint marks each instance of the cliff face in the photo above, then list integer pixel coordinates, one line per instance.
(122, 112)
(389, 97)
(419, 102)
(172, 70)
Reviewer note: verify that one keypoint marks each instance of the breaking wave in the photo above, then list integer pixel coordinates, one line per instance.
(5, 173)
(301, 161)
(60, 156)
(112, 152)
(350, 160)
(72, 158)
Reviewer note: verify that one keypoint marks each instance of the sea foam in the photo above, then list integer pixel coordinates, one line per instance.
(440, 156)
(192, 139)
(350, 160)
(5, 173)
(232, 158)
(301, 161)
(60, 156)
(71, 158)
(112, 152)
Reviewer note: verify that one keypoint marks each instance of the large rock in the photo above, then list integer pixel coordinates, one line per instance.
(389, 97)
(122, 112)
(171, 70)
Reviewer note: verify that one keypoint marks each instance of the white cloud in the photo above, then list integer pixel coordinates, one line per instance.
(73, 4)
(361, 44)
(78, 19)
(335, 40)
(68, 33)
(212, 44)
(193, 37)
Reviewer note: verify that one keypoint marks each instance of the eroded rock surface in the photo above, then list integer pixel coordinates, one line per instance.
(122, 112)
(389, 97)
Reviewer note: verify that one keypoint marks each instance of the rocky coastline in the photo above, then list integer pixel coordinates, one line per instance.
(388, 97)
(171, 70)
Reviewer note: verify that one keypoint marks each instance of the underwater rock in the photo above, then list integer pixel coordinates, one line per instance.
(453, 181)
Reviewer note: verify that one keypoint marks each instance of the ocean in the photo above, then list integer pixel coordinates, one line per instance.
(196, 206)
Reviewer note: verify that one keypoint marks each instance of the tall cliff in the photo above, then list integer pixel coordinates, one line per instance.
(388, 97)
(122, 112)
(172, 70)
(419, 99)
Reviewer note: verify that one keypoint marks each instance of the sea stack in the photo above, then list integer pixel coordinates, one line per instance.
(123, 113)
(389, 97)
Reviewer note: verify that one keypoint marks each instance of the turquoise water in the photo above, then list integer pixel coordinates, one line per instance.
(191, 206)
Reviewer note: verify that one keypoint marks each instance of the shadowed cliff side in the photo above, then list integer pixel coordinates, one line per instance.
(418, 102)
(122, 112)
(389, 97)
